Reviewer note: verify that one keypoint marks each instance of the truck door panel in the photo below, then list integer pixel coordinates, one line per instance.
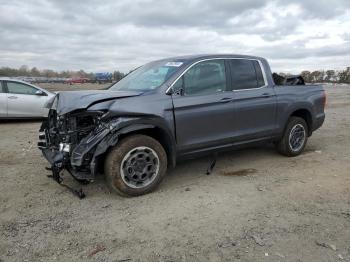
(204, 113)
(254, 100)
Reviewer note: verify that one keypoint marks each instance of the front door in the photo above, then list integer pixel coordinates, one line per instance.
(203, 107)
(23, 100)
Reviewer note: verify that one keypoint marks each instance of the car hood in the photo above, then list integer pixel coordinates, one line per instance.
(69, 101)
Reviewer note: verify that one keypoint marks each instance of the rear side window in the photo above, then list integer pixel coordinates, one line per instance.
(259, 75)
(245, 74)
(206, 77)
(19, 88)
(2, 89)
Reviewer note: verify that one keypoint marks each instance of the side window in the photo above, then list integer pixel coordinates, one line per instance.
(2, 89)
(243, 74)
(259, 75)
(19, 88)
(205, 78)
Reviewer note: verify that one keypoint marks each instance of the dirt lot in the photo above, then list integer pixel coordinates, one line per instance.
(255, 206)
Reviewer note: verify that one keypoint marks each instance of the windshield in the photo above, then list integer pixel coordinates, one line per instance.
(147, 77)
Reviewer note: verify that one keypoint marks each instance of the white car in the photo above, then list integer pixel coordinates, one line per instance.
(19, 99)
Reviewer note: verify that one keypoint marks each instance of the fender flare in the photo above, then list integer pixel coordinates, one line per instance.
(296, 107)
(291, 110)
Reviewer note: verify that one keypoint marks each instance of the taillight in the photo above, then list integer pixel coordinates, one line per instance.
(324, 99)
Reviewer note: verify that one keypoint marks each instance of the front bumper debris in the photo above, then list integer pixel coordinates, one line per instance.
(57, 159)
(79, 159)
(56, 171)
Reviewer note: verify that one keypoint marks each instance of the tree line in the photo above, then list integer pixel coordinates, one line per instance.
(325, 76)
(35, 72)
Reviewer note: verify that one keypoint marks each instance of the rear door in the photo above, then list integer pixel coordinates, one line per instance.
(3, 100)
(23, 100)
(203, 109)
(254, 100)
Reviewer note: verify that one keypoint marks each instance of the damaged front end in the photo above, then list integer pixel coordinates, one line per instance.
(75, 140)
(68, 142)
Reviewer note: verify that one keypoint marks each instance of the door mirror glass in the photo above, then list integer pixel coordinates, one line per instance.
(40, 93)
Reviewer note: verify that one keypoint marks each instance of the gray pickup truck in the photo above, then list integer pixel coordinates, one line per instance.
(172, 109)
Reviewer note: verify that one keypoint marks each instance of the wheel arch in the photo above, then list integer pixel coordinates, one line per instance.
(156, 132)
(306, 115)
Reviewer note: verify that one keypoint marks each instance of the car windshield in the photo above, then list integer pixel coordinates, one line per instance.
(147, 77)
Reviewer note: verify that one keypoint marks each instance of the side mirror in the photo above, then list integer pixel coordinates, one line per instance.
(40, 93)
(180, 92)
(178, 87)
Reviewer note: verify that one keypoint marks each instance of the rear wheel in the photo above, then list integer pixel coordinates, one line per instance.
(294, 138)
(136, 165)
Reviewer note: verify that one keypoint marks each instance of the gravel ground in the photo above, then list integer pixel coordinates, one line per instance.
(255, 206)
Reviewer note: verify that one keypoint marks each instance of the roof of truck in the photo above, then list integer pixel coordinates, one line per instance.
(209, 56)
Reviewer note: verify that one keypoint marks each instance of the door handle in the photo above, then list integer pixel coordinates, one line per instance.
(12, 97)
(226, 100)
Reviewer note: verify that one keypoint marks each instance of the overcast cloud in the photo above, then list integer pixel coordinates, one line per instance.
(119, 35)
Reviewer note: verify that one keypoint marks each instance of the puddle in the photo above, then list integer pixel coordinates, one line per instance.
(242, 172)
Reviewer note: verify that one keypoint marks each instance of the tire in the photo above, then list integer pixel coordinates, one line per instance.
(285, 146)
(142, 157)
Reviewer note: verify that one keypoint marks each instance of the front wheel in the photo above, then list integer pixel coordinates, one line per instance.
(294, 138)
(136, 165)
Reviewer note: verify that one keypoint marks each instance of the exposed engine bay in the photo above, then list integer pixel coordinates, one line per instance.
(63, 144)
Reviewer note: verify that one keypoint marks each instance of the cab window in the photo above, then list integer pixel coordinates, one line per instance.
(19, 88)
(206, 77)
(245, 74)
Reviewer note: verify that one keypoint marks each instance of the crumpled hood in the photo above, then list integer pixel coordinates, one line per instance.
(69, 101)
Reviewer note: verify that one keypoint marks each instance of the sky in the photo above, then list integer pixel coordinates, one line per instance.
(110, 35)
